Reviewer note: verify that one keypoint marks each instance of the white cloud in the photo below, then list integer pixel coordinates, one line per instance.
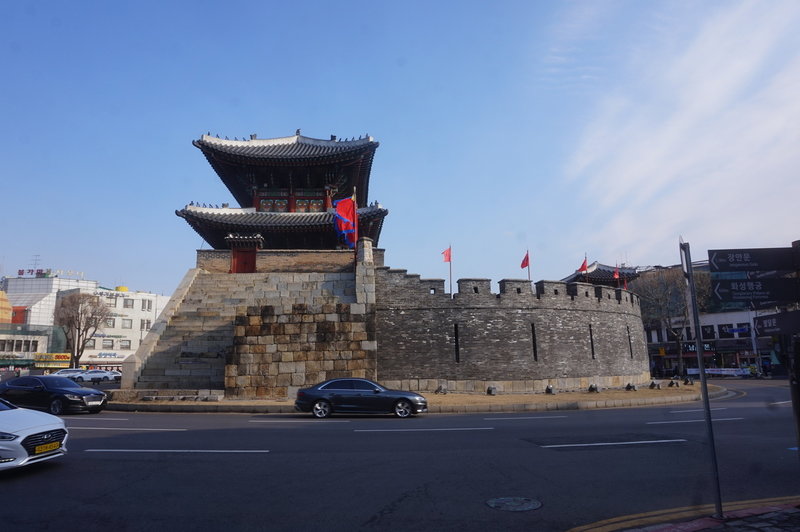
(702, 142)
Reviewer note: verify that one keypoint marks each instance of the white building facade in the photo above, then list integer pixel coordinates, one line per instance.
(34, 301)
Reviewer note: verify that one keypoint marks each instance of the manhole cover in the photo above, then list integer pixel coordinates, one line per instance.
(514, 504)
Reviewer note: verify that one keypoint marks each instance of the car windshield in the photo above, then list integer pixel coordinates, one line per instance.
(6, 406)
(61, 382)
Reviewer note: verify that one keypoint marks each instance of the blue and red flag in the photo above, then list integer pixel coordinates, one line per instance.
(345, 220)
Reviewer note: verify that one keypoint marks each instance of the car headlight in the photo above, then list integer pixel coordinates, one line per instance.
(7, 436)
(72, 397)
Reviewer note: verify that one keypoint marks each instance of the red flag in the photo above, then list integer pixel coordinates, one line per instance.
(448, 253)
(584, 267)
(525, 261)
(616, 272)
(346, 220)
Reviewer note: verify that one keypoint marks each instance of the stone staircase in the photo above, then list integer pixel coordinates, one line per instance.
(191, 351)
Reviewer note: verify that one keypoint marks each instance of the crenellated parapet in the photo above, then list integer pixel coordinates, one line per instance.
(403, 288)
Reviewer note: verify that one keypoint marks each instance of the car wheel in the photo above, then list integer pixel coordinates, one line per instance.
(105, 379)
(56, 407)
(321, 409)
(79, 379)
(402, 408)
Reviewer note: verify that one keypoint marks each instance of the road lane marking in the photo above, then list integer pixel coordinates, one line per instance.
(127, 428)
(423, 430)
(609, 443)
(523, 417)
(693, 421)
(697, 410)
(227, 451)
(104, 419)
(299, 421)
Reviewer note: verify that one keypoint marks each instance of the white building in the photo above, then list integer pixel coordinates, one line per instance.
(132, 315)
(34, 302)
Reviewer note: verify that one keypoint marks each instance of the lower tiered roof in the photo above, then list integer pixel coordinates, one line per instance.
(280, 230)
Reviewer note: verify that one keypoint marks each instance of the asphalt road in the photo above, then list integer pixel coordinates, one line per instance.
(153, 471)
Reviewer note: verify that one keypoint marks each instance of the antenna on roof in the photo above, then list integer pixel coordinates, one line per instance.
(297, 132)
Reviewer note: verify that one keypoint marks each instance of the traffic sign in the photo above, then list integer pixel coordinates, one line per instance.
(751, 260)
(762, 290)
(782, 323)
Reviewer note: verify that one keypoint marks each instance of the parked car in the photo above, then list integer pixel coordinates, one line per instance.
(27, 436)
(56, 395)
(94, 375)
(358, 396)
(117, 375)
(68, 373)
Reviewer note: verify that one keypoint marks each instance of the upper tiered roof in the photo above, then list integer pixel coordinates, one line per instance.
(291, 162)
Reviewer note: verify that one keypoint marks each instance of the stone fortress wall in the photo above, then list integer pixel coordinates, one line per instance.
(520, 340)
(406, 332)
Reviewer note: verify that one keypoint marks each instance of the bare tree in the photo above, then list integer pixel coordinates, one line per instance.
(81, 316)
(666, 305)
(663, 297)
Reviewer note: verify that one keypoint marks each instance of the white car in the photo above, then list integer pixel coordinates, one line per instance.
(68, 373)
(94, 375)
(28, 436)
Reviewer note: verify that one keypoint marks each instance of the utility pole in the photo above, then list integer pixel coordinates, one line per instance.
(686, 262)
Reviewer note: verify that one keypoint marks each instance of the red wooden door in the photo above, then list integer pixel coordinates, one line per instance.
(243, 260)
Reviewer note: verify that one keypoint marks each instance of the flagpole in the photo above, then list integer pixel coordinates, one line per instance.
(450, 263)
(355, 227)
(528, 256)
(586, 271)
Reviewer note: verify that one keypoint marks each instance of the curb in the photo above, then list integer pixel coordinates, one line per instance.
(258, 407)
(693, 518)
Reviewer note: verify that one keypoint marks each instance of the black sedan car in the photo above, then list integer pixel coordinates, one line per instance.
(56, 395)
(359, 396)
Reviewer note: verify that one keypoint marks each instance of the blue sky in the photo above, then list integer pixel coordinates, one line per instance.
(605, 128)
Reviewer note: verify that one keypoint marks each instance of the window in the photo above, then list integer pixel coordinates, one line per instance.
(724, 330)
(708, 332)
(144, 325)
(127, 323)
(127, 303)
(147, 304)
(108, 344)
(34, 346)
(344, 384)
(744, 330)
(125, 344)
(90, 343)
(363, 385)
(111, 302)
(26, 346)
(110, 322)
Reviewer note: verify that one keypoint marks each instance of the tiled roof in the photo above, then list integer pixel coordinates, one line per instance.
(251, 218)
(598, 273)
(294, 147)
(215, 224)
